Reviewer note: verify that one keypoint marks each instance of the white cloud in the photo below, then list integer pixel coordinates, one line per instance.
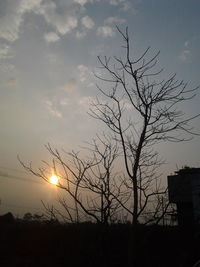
(68, 25)
(61, 15)
(64, 21)
(114, 20)
(5, 51)
(187, 51)
(64, 102)
(80, 35)
(84, 73)
(27, 5)
(11, 21)
(105, 31)
(6, 67)
(81, 2)
(186, 44)
(190, 49)
(185, 55)
(69, 87)
(126, 6)
(114, 2)
(87, 22)
(51, 37)
(52, 109)
(84, 101)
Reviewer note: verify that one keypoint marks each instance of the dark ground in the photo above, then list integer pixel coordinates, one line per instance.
(46, 245)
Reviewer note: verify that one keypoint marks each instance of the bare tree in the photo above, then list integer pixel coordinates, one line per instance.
(91, 183)
(141, 110)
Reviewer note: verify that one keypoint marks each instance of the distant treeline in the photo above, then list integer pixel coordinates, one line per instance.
(49, 243)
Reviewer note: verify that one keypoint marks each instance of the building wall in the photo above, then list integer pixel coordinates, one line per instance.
(196, 196)
(184, 191)
(180, 188)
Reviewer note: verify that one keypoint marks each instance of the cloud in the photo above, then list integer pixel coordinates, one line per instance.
(11, 82)
(84, 73)
(52, 109)
(80, 35)
(51, 37)
(123, 5)
(105, 31)
(108, 30)
(126, 6)
(11, 20)
(190, 50)
(114, 2)
(27, 5)
(81, 2)
(185, 55)
(61, 15)
(6, 54)
(64, 102)
(70, 86)
(7, 67)
(87, 22)
(12, 17)
(84, 101)
(186, 44)
(5, 51)
(114, 20)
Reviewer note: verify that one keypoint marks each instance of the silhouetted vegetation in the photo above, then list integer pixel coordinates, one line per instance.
(49, 243)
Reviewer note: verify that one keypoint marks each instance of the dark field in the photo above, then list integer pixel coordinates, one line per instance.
(44, 244)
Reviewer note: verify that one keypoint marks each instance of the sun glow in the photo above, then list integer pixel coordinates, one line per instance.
(54, 179)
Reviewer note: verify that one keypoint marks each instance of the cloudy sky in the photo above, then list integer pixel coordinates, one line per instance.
(48, 52)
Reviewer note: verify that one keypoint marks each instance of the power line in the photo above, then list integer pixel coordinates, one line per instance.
(12, 169)
(5, 175)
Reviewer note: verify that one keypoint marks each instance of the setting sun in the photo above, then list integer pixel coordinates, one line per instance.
(54, 179)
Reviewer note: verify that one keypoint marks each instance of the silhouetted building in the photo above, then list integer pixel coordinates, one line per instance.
(184, 191)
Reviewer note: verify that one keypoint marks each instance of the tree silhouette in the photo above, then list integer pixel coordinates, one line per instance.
(93, 189)
(141, 110)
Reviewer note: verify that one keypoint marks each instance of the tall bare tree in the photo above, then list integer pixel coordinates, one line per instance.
(141, 110)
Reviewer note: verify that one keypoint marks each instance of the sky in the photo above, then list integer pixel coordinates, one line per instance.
(48, 53)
